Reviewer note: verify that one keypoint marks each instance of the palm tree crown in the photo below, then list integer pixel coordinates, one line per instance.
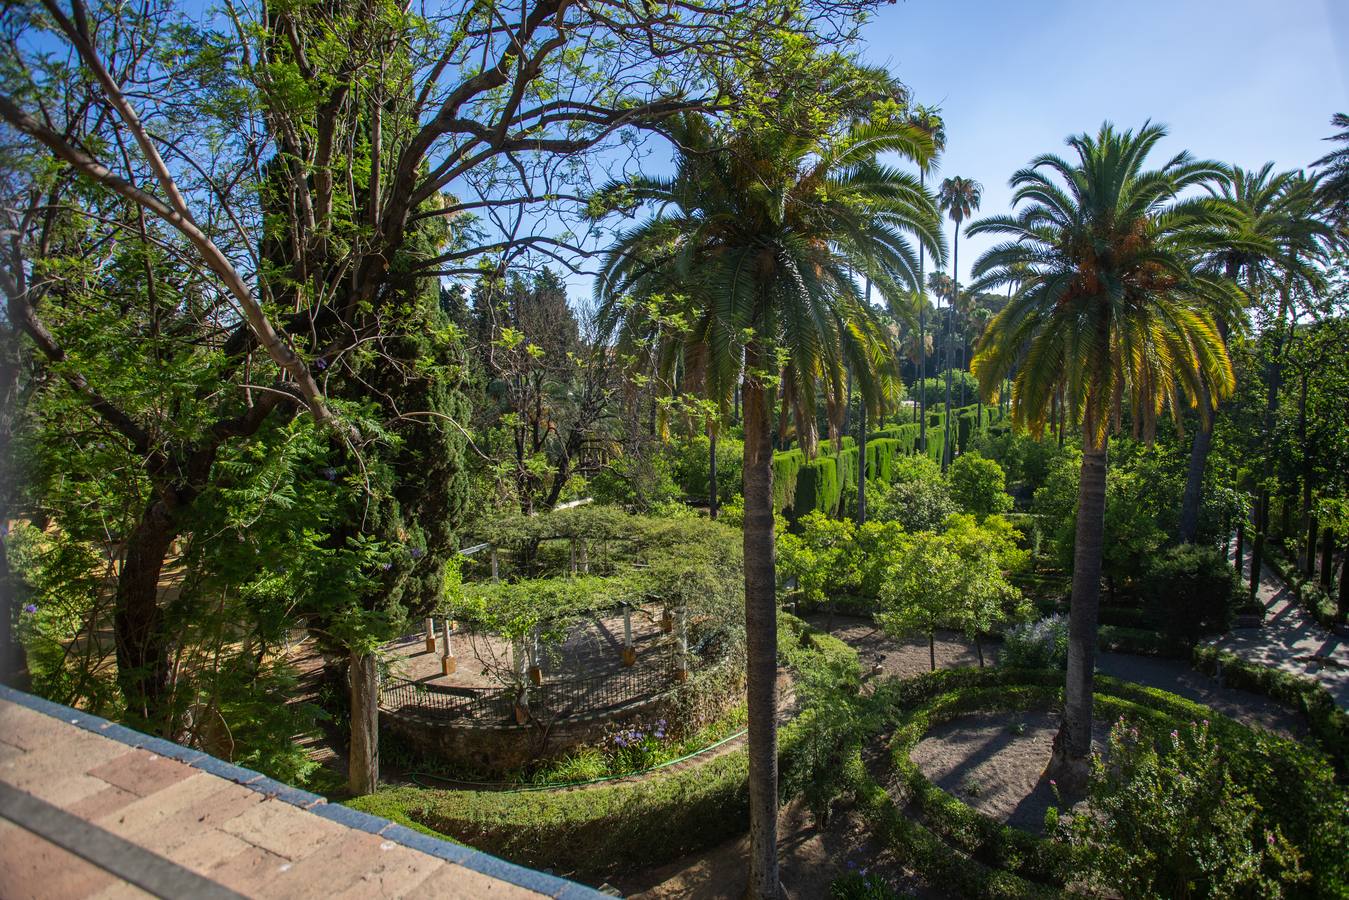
(764, 233)
(1112, 305)
(1334, 166)
(959, 197)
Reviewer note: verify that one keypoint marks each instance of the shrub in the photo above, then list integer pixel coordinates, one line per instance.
(978, 485)
(859, 884)
(1190, 590)
(1173, 822)
(638, 481)
(1042, 644)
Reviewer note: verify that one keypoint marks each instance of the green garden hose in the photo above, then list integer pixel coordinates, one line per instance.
(502, 787)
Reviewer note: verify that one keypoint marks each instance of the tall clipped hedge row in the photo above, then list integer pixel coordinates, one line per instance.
(802, 486)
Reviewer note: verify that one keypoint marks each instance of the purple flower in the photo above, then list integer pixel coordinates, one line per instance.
(320, 364)
(416, 552)
(30, 608)
(387, 566)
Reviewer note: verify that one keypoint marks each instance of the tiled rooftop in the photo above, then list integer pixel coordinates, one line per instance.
(91, 809)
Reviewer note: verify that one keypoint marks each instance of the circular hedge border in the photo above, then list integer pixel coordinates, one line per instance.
(592, 832)
(959, 846)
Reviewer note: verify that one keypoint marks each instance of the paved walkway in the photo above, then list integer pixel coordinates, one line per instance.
(1290, 639)
(92, 809)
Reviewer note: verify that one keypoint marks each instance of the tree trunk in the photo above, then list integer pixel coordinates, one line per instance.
(1072, 745)
(363, 762)
(1258, 544)
(922, 343)
(712, 472)
(761, 645)
(862, 465)
(979, 648)
(1199, 452)
(1342, 602)
(931, 651)
(1194, 480)
(1240, 547)
(1327, 558)
(13, 659)
(922, 370)
(138, 621)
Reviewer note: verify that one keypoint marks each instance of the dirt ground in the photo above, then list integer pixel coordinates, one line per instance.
(902, 658)
(995, 763)
(811, 858)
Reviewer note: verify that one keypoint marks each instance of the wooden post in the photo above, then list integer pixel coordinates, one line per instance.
(448, 663)
(573, 556)
(493, 554)
(363, 764)
(629, 652)
(520, 663)
(430, 635)
(585, 558)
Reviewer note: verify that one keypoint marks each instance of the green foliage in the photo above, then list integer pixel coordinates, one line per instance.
(692, 470)
(1041, 644)
(919, 499)
(639, 481)
(952, 580)
(1190, 590)
(1173, 822)
(978, 485)
(933, 390)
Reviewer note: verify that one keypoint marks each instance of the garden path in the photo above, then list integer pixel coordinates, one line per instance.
(1291, 640)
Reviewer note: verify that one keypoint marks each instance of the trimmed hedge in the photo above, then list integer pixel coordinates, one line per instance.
(1317, 603)
(802, 486)
(592, 832)
(981, 857)
(1329, 725)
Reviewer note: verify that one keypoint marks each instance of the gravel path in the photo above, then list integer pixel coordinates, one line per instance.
(1290, 639)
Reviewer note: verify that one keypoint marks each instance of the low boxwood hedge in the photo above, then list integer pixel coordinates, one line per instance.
(1329, 725)
(590, 833)
(1317, 603)
(1292, 784)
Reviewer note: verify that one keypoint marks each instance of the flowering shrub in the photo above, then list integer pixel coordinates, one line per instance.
(1169, 821)
(636, 747)
(1042, 644)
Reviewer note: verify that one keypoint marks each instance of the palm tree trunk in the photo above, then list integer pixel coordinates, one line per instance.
(761, 648)
(1072, 745)
(862, 464)
(1194, 479)
(363, 762)
(950, 311)
(922, 342)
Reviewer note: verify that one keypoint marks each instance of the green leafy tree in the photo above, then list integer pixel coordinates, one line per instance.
(760, 233)
(1113, 312)
(978, 485)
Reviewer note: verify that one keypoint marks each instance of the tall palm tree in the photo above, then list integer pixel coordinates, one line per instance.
(959, 198)
(929, 120)
(1111, 310)
(1271, 242)
(757, 237)
(1334, 170)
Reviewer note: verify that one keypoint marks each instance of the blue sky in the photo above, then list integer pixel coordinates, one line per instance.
(1242, 81)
